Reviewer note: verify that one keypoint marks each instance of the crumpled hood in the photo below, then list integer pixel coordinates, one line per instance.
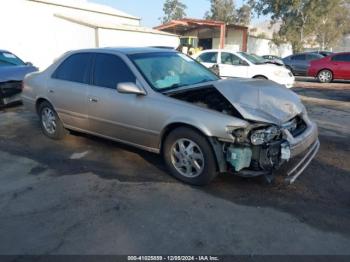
(15, 73)
(261, 100)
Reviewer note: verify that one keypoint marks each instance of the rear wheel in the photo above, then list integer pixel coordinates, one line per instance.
(325, 76)
(51, 125)
(189, 157)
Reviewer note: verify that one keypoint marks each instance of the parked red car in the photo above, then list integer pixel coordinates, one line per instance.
(335, 66)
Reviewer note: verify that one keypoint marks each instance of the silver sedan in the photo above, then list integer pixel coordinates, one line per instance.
(165, 102)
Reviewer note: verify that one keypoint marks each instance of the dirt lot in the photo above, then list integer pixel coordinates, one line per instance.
(86, 195)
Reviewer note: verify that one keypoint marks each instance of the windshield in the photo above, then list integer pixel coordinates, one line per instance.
(169, 70)
(8, 59)
(256, 60)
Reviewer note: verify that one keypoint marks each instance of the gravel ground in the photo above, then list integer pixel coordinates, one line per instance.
(86, 195)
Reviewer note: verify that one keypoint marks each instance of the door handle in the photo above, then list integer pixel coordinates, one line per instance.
(93, 100)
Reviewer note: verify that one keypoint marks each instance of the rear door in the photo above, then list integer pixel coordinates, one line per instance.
(231, 65)
(112, 114)
(299, 64)
(68, 87)
(341, 66)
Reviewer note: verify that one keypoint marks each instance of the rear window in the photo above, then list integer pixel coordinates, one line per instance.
(110, 70)
(75, 69)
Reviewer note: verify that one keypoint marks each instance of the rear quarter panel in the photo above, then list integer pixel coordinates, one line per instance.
(34, 87)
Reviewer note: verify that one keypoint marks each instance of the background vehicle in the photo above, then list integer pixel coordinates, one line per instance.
(12, 72)
(299, 63)
(336, 66)
(241, 64)
(323, 53)
(165, 102)
(274, 59)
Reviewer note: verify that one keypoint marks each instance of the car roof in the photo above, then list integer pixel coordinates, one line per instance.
(2, 50)
(126, 50)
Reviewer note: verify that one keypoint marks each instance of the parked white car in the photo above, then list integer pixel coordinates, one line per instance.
(244, 65)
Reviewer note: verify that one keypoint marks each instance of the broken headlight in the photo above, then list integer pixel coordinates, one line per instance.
(263, 136)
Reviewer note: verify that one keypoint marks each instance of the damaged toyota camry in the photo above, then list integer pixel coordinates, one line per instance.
(165, 102)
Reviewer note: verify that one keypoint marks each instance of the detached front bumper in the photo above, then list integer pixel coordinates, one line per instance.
(303, 149)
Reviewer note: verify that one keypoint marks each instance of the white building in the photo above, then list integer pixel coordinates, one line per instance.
(260, 40)
(39, 31)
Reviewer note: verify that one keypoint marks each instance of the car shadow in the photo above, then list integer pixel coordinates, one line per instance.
(339, 94)
(314, 80)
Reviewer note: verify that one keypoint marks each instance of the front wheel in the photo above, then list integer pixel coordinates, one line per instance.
(325, 76)
(50, 123)
(189, 157)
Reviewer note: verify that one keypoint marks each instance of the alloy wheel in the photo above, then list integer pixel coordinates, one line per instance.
(325, 76)
(48, 120)
(187, 158)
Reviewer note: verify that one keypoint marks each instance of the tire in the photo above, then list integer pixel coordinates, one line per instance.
(50, 123)
(195, 163)
(325, 76)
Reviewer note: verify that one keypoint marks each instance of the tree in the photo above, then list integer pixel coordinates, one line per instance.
(333, 24)
(173, 9)
(244, 15)
(222, 10)
(301, 19)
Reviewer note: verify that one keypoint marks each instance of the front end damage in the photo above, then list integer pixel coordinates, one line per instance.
(265, 149)
(280, 136)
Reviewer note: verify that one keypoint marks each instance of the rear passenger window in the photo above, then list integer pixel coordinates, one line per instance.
(341, 58)
(75, 68)
(299, 57)
(111, 70)
(311, 57)
(230, 59)
(210, 57)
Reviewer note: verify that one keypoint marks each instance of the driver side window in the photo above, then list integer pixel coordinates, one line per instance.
(230, 59)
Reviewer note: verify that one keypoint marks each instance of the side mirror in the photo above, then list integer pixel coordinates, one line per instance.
(29, 64)
(130, 88)
(215, 69)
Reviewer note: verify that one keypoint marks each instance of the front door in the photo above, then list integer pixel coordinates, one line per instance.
(112, 114)
(232, 66)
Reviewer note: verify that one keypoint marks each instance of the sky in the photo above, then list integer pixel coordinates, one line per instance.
(151, 10)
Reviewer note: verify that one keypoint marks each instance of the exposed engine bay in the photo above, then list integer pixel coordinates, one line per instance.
(207, 97)
(257, 150)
